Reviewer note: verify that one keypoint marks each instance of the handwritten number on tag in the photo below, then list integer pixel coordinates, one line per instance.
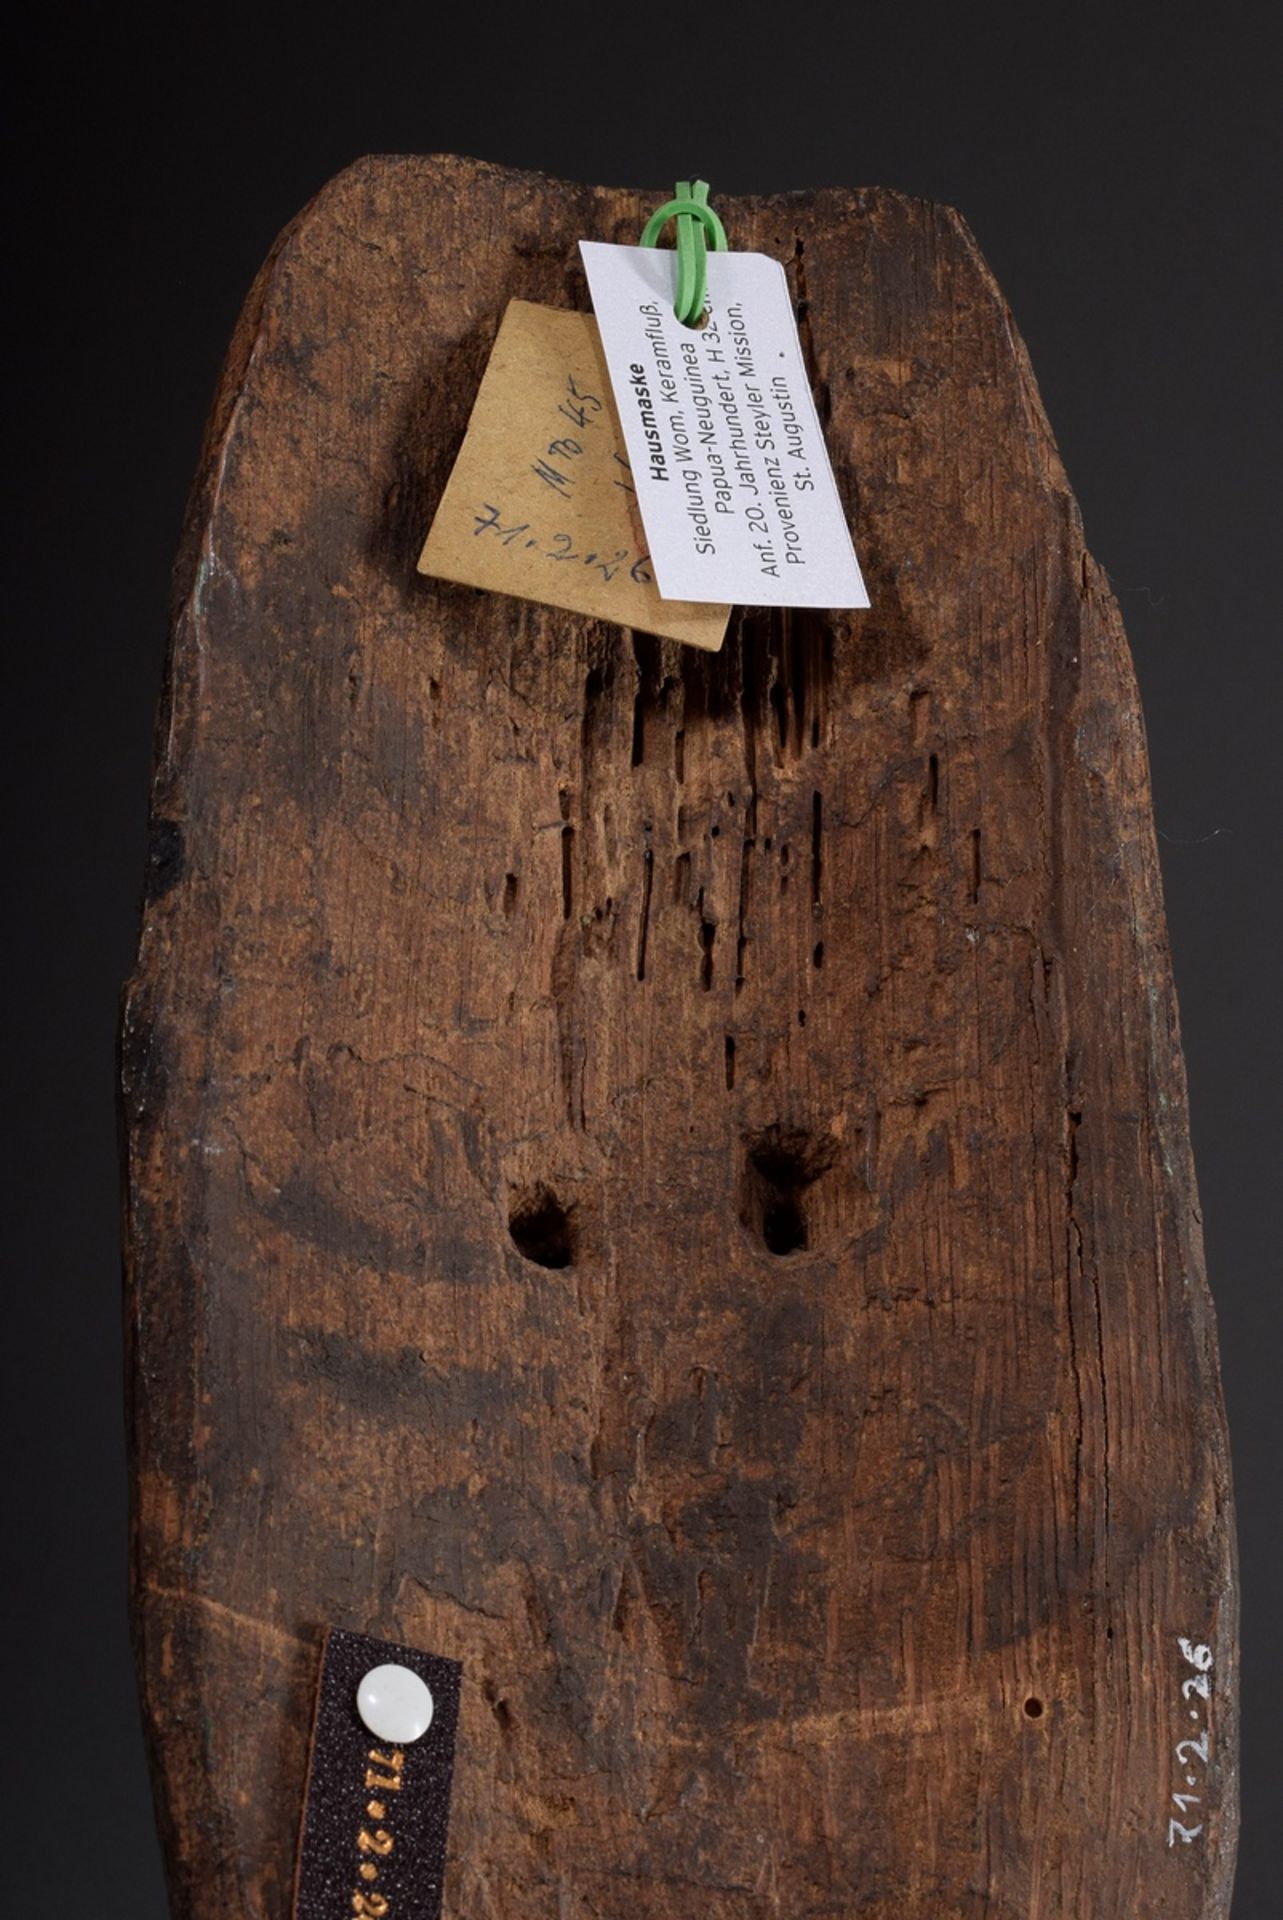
(561, 546)
(578, 406)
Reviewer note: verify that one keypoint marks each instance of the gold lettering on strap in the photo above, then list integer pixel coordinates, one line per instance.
(386, 1782)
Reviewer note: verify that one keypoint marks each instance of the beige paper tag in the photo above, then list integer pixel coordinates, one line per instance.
(541, 502)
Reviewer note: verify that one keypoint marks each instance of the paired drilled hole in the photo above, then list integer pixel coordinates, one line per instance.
(779, 1176)
(542, 1229)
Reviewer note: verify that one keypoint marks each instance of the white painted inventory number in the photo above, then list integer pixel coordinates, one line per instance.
(1192, 1753)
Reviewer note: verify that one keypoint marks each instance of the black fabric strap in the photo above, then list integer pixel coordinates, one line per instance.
(373, 1838)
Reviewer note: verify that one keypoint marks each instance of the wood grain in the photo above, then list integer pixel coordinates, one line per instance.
(666, 1177)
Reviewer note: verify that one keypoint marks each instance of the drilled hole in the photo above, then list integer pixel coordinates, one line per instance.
(541, 1228)
(1033, 1707)
(776, 1195)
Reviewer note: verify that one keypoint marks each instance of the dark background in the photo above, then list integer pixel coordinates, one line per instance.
(1117, 167)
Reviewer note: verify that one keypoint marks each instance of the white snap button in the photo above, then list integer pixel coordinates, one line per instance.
(395, 1704)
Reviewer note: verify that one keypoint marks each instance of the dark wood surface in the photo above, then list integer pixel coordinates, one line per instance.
(665, 1177)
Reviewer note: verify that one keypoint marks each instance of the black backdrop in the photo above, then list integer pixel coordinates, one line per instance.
(1116, 165)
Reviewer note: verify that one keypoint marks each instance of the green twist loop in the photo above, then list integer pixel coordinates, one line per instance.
(696, 224)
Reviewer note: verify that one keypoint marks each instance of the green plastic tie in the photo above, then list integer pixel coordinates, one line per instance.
(696, 225)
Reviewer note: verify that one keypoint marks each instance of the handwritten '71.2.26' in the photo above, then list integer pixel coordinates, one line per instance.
(1192, 1753)
(561, 546)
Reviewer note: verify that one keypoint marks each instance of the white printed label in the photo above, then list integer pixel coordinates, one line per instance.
(733, 480)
